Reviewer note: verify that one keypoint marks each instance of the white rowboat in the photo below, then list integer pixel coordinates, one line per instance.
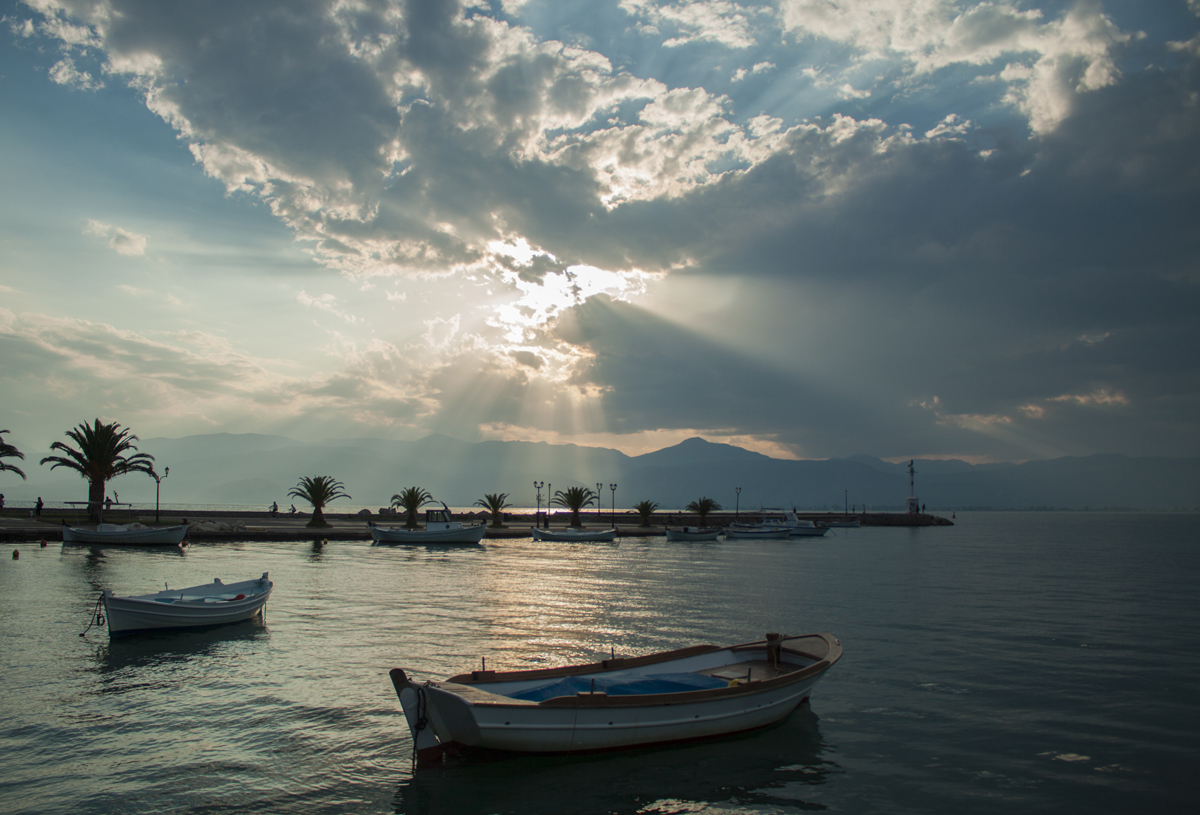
(126, 535)
(214, 603)
(573, 535)
(754, 532)
(700, 692)
(693, 533)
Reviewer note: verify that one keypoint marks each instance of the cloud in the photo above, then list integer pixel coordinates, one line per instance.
(64, 72)
(121, 241)
(1050, 61)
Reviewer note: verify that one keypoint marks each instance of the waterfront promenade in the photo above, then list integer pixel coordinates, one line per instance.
(17, 526)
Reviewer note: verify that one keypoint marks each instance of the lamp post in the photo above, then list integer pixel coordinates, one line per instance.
(613, 487)
(157, 484)
(737, 501)
(549, 495)
(599, 509)
(537, 519)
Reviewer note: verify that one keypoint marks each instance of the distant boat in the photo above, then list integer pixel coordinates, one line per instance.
(704, 691)
(214, 603)
(842, 523)
(693, 533)
(754, 532)
(125, 534)
(776, 520)
(573, 535)
(438, 529)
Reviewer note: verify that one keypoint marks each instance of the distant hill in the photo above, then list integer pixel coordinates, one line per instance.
(258, 469)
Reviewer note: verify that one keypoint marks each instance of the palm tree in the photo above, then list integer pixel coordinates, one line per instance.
(703, 507)
(9, 451)
(574, 499)
(645, 509)
(318, 491)
(103, 454)
(495, 503)
(412, 499)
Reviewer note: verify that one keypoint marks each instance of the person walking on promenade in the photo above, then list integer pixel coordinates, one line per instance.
(37, 509)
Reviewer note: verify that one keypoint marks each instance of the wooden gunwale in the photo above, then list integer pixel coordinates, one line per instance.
(476, 694)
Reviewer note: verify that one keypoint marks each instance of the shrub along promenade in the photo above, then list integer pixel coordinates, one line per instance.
(16, 525)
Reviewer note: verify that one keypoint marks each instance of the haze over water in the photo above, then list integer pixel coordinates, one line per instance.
(1015, 662)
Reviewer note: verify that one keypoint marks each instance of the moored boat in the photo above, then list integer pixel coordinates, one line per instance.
(703, 691)
(754, 532)
(778, 519)
(209, 604)
(439, 528)
(842, 523)
(693, 533)
(573, 535)
(125, 534)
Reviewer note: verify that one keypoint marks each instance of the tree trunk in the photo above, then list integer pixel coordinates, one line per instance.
(574, 517)
(95, 498)
(318, 518)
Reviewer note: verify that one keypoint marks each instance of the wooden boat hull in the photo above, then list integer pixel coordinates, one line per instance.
(210, 604)
(456, 534)
(758, 684)
(574, 535)
(732, 533)
(693, 533)
(115, 534)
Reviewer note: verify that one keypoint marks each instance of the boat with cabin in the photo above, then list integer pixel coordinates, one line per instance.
(439, 528)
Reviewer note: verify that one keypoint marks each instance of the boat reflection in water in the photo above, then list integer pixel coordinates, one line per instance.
(781, 767)
(172, 649)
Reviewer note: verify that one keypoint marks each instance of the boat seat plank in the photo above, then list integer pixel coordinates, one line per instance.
(758, 670)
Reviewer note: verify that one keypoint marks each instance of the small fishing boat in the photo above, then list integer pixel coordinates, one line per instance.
(439, 528)
(573, 535)
(778, 519)
(704, 691)
(125, 534)
(692, 533)
(755, 532)
(214, 603)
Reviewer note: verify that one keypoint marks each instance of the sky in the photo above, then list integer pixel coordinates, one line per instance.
(811, 228)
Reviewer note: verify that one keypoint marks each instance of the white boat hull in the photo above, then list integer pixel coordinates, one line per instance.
(574, 535)
(732, 533)
(807, 531)
(751, 692)
(210, 604)
(451, 533)
(693, 533)
(123, 535)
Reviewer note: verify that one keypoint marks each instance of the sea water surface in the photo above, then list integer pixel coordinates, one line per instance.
(1016, 662)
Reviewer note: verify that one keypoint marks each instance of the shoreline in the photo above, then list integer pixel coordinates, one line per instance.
(263, 527)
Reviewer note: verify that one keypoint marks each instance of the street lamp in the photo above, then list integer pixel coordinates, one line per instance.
(158, 483)
(537, 519)
(599, 492)
(737, 501)
(549, 495)
(613, 487)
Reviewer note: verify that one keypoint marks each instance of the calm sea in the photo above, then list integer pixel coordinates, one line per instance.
(1016, 662)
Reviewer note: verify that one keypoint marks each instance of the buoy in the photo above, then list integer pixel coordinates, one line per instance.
(16, 555)
(44, 543)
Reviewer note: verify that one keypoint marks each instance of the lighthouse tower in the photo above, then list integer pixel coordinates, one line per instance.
(914, 506)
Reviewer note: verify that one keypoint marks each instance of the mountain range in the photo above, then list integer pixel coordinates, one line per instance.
(224, 468)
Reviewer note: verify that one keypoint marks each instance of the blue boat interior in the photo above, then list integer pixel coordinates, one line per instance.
(620, 685)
